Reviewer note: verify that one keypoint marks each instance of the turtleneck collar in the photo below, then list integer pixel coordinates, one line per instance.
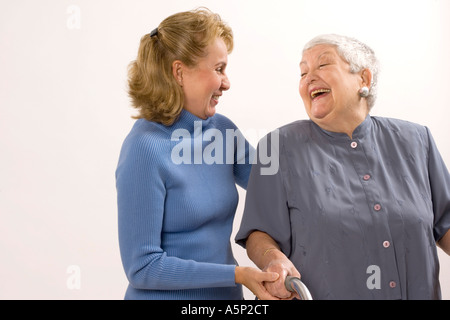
(190, 122)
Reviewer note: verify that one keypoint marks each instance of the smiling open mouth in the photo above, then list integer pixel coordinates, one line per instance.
(319, 92)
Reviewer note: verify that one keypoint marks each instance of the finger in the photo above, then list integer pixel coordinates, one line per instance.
(277, 290)
(267, 296)
(268, 276)
(281, 289)
(263, 294)
(292, 296)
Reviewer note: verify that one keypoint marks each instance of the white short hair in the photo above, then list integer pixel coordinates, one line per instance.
(358, 55)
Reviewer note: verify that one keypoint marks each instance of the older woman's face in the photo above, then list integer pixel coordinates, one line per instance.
(204, 84)
(328, 89)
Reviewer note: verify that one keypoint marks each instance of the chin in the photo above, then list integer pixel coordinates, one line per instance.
(319, 113)
(210, 112)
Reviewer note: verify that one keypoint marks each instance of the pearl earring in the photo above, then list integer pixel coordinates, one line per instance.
(364, 92)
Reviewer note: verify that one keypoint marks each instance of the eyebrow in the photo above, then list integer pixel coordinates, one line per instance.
(320, 56)
(324, 53)
(220, 64)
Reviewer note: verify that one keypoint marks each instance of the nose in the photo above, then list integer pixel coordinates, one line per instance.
(225, 83)
(310, 77)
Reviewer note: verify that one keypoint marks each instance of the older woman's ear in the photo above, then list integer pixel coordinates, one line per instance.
(366, 78)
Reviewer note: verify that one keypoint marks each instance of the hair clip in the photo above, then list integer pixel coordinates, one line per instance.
(154, 33)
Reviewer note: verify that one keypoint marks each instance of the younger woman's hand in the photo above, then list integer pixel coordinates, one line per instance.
(255, 280)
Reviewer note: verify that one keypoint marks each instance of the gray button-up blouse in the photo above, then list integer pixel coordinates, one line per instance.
(359, 217)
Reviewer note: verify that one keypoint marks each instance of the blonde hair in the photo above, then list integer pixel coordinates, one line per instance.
(183, 36)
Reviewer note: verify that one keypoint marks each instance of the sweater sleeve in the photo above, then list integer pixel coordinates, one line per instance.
(140, 182)
(243, 160)
(243, 151)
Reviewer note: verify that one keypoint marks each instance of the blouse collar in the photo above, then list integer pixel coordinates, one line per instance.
(360, 131)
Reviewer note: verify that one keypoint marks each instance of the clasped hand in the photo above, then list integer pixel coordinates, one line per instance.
(277, 288)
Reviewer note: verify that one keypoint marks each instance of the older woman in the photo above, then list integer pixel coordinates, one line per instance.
(359, 202)
(176, 184)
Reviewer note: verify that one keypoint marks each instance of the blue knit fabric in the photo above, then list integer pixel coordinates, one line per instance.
(175, 220)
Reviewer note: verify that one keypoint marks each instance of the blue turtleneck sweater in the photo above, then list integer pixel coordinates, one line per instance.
(177, 196)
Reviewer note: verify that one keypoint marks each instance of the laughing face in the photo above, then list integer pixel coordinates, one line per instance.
(204, 83)
(328, 88)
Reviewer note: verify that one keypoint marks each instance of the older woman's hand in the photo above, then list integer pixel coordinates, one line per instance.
(266, 254)
(283, 267)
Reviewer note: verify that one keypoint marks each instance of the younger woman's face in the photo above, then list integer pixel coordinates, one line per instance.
(204, 83)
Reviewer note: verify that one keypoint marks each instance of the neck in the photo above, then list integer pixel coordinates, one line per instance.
(344, 123)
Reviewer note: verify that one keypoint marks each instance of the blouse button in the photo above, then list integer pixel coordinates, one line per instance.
(366, 177)
(354, 144)
(377, 207)
(386, 244)
(392, 284)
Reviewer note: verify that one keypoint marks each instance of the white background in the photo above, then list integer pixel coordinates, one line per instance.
(64, 113)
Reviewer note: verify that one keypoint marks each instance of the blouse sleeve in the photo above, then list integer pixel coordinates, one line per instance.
(440, 189)
(140, 182)
(266, 207)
